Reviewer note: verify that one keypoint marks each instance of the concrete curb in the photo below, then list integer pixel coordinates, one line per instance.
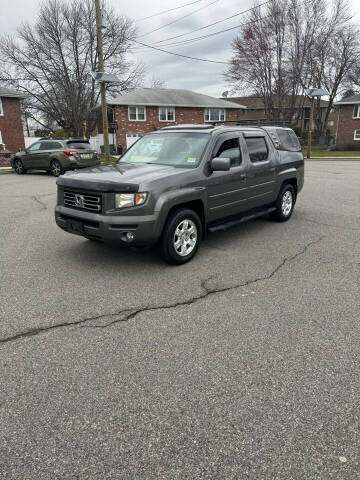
(333, 159)
(4, 170)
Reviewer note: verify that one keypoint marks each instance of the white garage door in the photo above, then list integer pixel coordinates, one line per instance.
(132, 138)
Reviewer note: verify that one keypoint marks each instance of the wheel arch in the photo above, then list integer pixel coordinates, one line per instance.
(196, 205)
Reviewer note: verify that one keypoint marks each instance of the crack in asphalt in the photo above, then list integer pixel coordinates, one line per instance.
(329, 225)
(41, 203)
(130, 313)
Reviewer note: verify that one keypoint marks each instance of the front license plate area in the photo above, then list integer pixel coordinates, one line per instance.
(75, 226)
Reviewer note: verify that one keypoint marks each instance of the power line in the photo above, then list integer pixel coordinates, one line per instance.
(166, 11)
(214, 23)
(179, 54)
(178, 19)
(196, 39)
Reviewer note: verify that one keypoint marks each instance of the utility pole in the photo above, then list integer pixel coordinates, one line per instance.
(102, 84)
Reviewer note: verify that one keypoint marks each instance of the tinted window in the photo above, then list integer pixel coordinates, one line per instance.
(51, 146)
(230, 149)
(79, 145)
(258, 149)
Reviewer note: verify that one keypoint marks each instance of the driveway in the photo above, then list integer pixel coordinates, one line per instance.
(243, 363)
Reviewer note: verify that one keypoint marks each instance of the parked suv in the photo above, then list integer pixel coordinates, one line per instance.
(55, 156)
(174, 185)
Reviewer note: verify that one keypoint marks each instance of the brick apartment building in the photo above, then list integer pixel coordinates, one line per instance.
(147, 109)
(11, 129)
(348, 134)
(255, 111)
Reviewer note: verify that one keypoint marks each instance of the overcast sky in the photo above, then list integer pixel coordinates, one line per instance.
(176, 72)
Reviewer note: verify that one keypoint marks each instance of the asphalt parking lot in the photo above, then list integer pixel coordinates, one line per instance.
(242, 364)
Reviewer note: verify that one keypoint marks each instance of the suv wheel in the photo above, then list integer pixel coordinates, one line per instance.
(55, 168)
(285, 204)
(181, 237)
(19, 167)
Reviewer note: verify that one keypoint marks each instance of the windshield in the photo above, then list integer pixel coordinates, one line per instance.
(171, 148)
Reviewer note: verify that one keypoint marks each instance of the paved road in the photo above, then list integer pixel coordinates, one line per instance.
(242, 364)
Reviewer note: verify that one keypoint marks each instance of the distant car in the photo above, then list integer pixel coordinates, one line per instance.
(55, 156)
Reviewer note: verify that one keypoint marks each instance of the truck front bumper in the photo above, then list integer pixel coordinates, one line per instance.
(143, 230)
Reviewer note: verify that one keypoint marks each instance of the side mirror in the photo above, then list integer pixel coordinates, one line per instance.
(220, 164)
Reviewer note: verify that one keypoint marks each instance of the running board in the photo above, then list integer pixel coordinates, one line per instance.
(232, 223)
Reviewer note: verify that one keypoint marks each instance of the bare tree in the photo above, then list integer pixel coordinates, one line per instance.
(52, 60)
(289, 45)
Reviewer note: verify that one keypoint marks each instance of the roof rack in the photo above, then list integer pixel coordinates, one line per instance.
(190, 127)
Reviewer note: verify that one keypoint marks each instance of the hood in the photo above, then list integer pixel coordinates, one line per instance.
(119, 177)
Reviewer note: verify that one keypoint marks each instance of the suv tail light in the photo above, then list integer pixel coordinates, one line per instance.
(70, 153)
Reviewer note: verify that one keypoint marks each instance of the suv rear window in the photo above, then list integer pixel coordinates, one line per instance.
(79, 145)
(288, 140)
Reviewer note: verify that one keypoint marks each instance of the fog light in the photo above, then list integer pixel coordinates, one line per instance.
(128, 236)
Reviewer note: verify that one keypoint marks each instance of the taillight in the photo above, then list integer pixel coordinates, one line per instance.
(70, 153)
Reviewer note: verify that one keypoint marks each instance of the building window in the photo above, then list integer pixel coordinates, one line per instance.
(1, 108)
(357, 135)
(356, 111)
(214, 114)
(1, 142)
(137, 114)
(167, 114)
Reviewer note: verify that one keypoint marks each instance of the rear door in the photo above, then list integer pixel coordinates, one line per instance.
(261, 178)
(48, 149)
(227, 191)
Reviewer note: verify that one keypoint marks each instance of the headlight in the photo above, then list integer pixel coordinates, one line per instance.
(123, 200)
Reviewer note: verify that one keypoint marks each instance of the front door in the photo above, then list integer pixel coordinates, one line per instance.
(227, 191)
(32, 158)
(261, 173)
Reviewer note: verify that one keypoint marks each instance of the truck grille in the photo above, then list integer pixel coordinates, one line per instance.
(82, 201)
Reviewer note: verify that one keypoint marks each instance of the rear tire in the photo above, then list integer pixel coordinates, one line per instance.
(181, 237)
(19, 167)
(284, 204)
(55, 168)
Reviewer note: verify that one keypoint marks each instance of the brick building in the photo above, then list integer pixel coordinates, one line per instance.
(348, 134)
(11, 129)
(147, 109)
(255, 111)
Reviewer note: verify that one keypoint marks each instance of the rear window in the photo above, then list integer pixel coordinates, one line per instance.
(288, 140)
(79, 145)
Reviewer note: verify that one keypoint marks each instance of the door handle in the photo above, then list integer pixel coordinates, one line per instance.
(243, 176)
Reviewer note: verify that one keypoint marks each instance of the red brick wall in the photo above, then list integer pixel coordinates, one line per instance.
(152, 123)
(11, 124)
(346, 128)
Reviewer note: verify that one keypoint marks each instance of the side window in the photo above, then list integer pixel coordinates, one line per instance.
(258, 149)
(50, 146)
(34, 147)
(285, 139)
(230, 149)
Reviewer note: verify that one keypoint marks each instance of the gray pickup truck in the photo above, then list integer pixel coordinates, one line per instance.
(176, 184)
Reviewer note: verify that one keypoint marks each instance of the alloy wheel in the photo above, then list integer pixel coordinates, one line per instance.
(185, 237)
(287, 203)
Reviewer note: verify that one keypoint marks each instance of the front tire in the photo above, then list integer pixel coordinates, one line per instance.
(181, 237)
(55, 168)
(285, 204)
(19, 167)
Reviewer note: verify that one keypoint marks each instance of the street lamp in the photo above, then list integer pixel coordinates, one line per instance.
(313, 93)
